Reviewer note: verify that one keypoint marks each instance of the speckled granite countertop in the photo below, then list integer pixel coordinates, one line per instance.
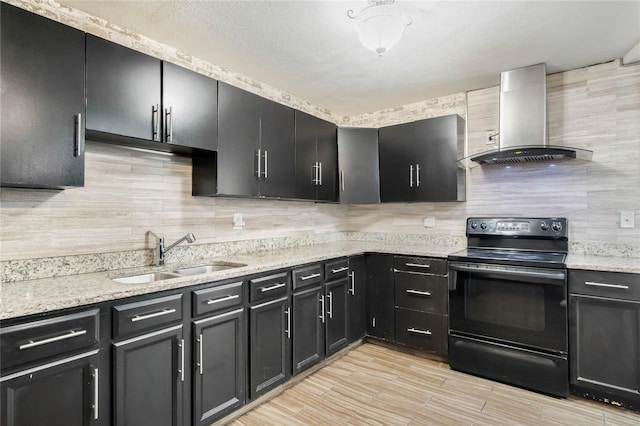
(42, 295)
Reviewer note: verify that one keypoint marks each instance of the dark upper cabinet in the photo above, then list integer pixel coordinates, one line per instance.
(42, 106)
(356, 298)
(358, 178)
(418, 160)
(135, 99)
(316, 158)
(255, 149)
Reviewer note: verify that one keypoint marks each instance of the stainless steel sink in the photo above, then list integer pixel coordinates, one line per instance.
(146, 278)
(205, 269)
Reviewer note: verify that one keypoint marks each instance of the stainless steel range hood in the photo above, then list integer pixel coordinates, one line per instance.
(523, 122)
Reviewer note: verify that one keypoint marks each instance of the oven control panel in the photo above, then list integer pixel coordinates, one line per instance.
(553, 227)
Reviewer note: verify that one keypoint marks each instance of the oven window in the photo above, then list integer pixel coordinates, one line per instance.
(505, 303)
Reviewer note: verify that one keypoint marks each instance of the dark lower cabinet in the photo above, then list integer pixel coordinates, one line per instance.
(42, 106)
(60, 393)
(148, 379)
(336, 315)
(269, 345)
(220, 363)
(308, 328)
(356, 298)
(380, 296)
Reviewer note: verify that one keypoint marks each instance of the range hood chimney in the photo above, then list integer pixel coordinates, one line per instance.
(523, 122)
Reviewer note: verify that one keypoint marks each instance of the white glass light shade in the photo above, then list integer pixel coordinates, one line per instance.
(380, 25)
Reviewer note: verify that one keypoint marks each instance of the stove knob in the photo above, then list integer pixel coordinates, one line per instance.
(556, 226)
(483, 225)
(544, 226)
(474, 225)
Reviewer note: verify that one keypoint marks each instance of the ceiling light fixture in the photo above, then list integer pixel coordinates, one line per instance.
(380, 25)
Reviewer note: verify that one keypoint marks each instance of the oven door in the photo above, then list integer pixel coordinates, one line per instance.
(509, 304)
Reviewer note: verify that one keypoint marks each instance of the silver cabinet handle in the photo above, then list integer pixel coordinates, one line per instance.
(69, 335)
(411, 176)
(596, 284)
(321, 300)
(320, 173)
(259, 156)
(342, 180)
(79, 139)
(417, 331)
(153, 315)
(155, 121)
(288, 330)
(419, 292)
(266, 164)
(96, 391)
(352, 290)
(222, 299)
(273, 287)
(308, 277)
(417, 175)
(168, 116)
(418, 265)
(181, 345)
(201, 358)
(337, 271)
(330, 310)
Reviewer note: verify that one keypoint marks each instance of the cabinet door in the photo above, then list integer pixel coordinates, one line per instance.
(42, 68)
(123, 91)
(308, 328)
(307, 172)
(238, 141)
(336, 315)
(61, 393)
(358, 177)
(436, 152)
(327, 154)
(219, 372)
(380, 291)
(397, 162)
(356, 301)
(277, 136)
(149, 378)
(605, 345)
(269, 345)
(190, 108)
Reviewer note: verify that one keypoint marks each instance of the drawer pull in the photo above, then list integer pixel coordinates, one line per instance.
(273, 287)
(222, 299)
(308, 277)
(419, 292)
(596, 284)
(417, 331)
(418, 265)
(337, 271)
(153, 315)
(69, 335)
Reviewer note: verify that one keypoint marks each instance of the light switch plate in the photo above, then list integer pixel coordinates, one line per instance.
(627, 220)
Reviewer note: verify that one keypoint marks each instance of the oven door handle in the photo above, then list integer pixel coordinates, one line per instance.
(537, 277)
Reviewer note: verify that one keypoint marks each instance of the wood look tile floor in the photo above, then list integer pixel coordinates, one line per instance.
(374, 385)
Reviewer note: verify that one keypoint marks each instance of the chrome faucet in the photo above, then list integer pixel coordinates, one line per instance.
(160, 250)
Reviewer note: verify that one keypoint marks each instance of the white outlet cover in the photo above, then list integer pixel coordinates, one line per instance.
(429, 222)
(627, 220)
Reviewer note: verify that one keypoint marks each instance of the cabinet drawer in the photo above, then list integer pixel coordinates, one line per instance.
(38, 340)
(426, 293)
(336, 269)
(269, 287)
(425, 265)
(421, 330)
(217, 298)
(307, 276)
(146, 315)
(606, 284)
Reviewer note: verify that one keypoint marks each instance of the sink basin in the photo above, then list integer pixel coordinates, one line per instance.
(205, 269)
(145, 278)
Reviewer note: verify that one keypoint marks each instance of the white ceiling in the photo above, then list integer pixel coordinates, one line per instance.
(311, 50)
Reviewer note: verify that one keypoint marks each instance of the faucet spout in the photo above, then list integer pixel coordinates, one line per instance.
(160, 249)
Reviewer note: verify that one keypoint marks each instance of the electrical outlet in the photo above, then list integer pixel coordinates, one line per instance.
(429, 222)
(238, 222)
(627, 220)
(490, 137)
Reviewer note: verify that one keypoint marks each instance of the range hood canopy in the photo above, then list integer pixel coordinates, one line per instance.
(523, 123)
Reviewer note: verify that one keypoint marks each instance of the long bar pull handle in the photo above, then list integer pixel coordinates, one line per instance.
(69, 335)
(222, 299)
(352, 289)
(266, 164)
(201, 358)
(418, 265)
(96, 393)
(330, 310)
(411, 176)
(337, 271)
(321, 300)
(417, 331)
(419, 292)
(181, 345)
(288, 330)
(168, 116)
(308, 277)
(342, 180)
(155, 121)
(153, 315)
(273, 287)
(79, 149)
(417, 175)
(320, 173)
(259, 156)
(314, 168)
(596, 284)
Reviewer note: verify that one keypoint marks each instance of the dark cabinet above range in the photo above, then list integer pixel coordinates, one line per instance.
(137, 100)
